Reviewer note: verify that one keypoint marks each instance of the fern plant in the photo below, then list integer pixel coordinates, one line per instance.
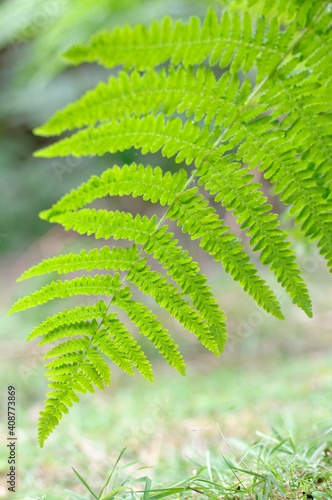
(269, 109)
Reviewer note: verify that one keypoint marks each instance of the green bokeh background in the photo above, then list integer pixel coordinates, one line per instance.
(272, 373)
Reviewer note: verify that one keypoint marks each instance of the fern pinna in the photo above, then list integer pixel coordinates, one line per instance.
(269, 109)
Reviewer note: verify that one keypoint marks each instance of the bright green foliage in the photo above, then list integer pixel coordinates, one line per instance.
(225, 41)
(269, 109)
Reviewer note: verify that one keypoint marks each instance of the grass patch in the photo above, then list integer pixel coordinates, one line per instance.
(274, 467)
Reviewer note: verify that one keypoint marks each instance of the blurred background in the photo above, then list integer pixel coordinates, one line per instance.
(272, 375)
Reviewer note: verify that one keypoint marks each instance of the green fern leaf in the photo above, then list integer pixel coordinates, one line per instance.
(130, 179)
(71, 330)
(104, 224)
(197, 94)
(105, 258)
(183, 43)
(78, 365)
(68, 347)
(277, 122)
(106, 285)
(77, 315)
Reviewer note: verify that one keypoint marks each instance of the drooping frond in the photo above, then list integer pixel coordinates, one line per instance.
(73, 371)
(276, 120)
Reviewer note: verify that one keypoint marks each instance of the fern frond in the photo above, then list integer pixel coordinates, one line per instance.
(197, 94)
(77, 315)
(63, 396)
(71, 372)
(86, 285)
(78, 365)
(133, 179)
(277, 122)
(71, 330)
(104, 224)
(224, 41)
(105, 258)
